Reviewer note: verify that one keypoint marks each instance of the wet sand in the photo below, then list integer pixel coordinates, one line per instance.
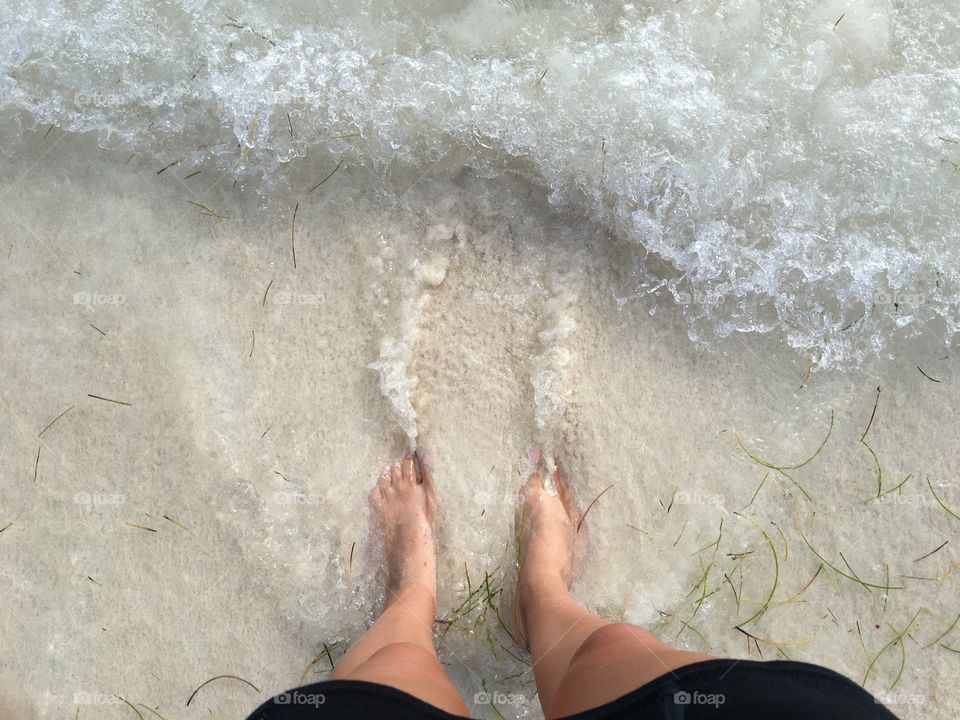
(205, 514)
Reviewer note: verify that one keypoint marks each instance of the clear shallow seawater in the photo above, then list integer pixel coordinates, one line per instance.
(258, 421)
(506, 262)
(784, 168)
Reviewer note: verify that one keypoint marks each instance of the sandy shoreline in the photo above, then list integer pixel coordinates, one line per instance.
(255, 428)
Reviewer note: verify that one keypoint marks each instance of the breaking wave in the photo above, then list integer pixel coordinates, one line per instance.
(787, 168)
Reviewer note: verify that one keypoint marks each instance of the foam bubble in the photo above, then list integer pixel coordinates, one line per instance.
(783, 163)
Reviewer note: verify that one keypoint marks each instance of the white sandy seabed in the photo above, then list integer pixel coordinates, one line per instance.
(258, 426)
(213, 521)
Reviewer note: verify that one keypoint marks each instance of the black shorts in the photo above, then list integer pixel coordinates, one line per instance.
(710, 690)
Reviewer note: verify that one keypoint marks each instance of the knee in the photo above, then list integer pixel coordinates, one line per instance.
(405, 652)
(610, 662)
(397, 658)
(385, 657)
(413, 669)
(614, 639)
(629, 649)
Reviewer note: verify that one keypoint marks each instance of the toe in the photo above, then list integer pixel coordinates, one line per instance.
(375, 497)
(561, 486)
(534, 487)
(407, 471)
(567, 496)
(424, 465)
(384, 480)
(534, 482)
(396, 474)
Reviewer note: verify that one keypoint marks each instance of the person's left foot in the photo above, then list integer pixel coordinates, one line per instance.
(403, 509)
(551, 541)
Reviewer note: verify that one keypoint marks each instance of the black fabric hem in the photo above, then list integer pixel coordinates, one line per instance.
(752, 690)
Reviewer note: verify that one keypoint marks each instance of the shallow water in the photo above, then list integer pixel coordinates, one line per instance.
(259, 426)
(505, 264)
(782, 168)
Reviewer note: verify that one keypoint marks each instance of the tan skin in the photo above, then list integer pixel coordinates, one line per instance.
(580, 661)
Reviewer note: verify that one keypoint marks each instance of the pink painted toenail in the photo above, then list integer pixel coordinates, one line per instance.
(535, 456)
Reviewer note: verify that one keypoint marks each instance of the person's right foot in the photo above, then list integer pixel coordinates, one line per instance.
(403, 508)
(550, 541)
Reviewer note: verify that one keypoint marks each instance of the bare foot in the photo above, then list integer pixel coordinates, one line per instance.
(551, 543)
(403, 509)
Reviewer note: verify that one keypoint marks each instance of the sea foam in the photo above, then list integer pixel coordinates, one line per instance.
(787, 168)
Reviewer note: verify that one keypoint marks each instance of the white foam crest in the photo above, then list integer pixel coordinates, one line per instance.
(550, 370)
(792, 163)
(403, 298)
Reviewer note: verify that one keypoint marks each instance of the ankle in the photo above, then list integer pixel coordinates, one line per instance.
(539, 589)
(543, 583)
(418, 600)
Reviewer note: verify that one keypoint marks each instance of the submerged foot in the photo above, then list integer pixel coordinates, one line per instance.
(403, 509)
(550, 542)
